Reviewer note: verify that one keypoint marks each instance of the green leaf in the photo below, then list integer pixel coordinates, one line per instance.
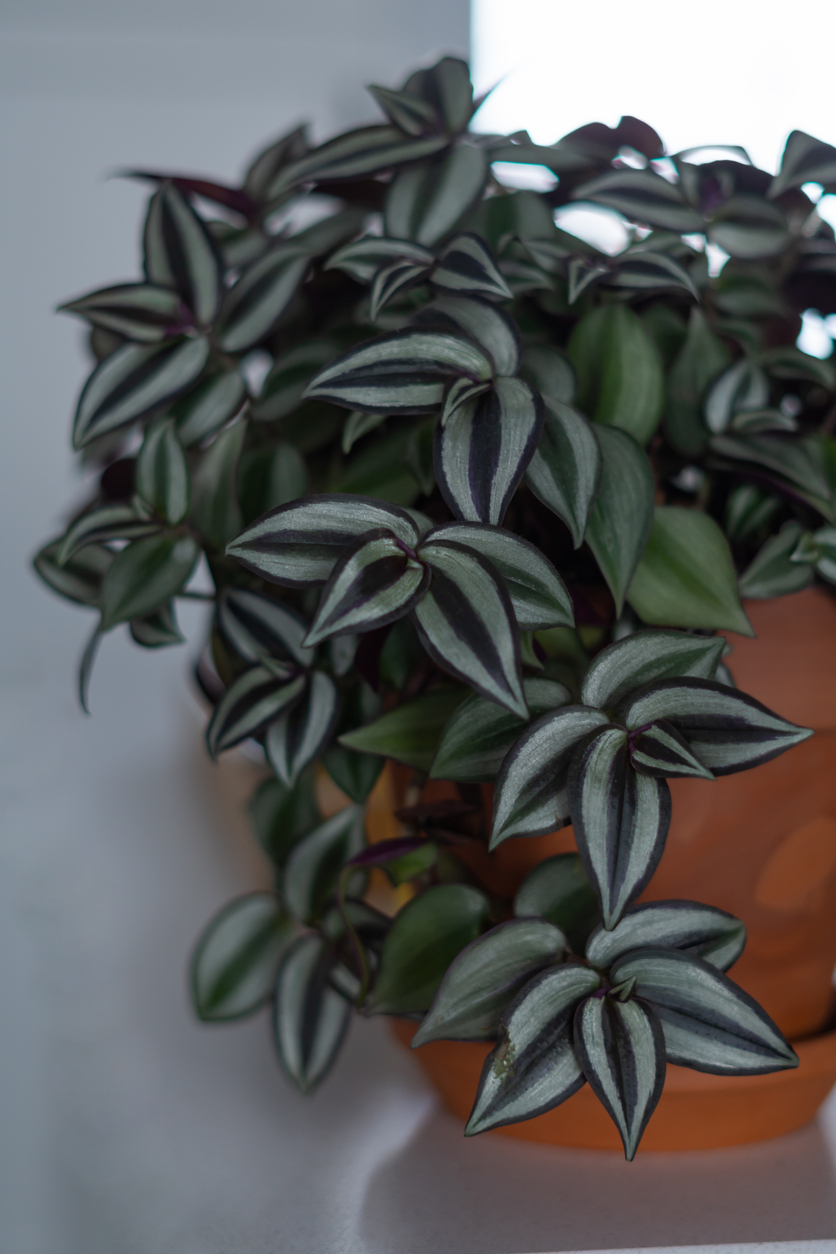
(486, 976)
(290, 374)
(744, 386)
(686, 576)
(162, 475)
(363, 258)
(790, 463)
(374, 583)
(79, 578)
(483, 448)
(299, 544)
(643, 658)
(132, 381)
(551, 373)
(216, 511)
(355, 774)
(642, 271)
(619, 370)
(310, 1019)
(713, 935)
(480, 732)
(140, 311)
(210, 405)
(356, 426)
(252, 701)
(256, 301)
(280, 816)
(299, 734)
(622, 1051)
(410, 733)
(466, 623)
(531, 795)
(157, 630)
(110, 522)
(367, 150)
(533, 1067)
(702, 357)
(257, 626)
(180, 253)
(643, 196)
(315, 862)
(85, 668)
(805, 160)
(709, 1023)
(466, 265)
(267, 165)
(484, 323)
(237, 957)
(620, 819)
(447, 85)
(409, 113)
(272, 475)
(565, 471)
(773, 572)
(621, 519)
(425, 937)
(145, 576)
(558, 890)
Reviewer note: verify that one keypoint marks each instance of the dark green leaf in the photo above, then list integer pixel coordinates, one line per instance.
(742, 387)
(216, 511)
(484, 323)
(145, 576)
(80, 578)
(162, 475)
(702, 357)
(367, 150)
(466, 265)
(392, 279)
(773, 572)
(565, 471)
(749, 228)
(805, 160)
(621, 519)
(558, 890)
(619, 370)
(409, 113)
(257, 626)
(643, 196)
(551, 373)
(410, 733)
(280, 815)
(237, 957)
(110, 522)
(267, 165)
(291, 372)
(363, 258)
(157, 630)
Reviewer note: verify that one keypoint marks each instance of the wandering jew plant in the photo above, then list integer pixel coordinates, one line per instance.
(476, 496)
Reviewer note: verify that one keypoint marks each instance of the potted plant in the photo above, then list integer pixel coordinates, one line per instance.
(480, 499)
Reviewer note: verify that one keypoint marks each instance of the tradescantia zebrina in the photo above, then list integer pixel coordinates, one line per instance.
(467, 492)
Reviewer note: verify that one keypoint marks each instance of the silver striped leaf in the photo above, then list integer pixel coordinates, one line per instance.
(110, 522)
(299, 544)
(583, 272)
(646, 657)
(391, 279)
(466, 265)
(249, 704)
(315, 862)
(641, 270)
(642, 196)
(481, 450)
(661, 751)
(143, 312)
(300, 733)
(310, 1019)
(622, 1051)
(532, 790)
(480, 733)
(534, 1066)
(483, 322)
(620, 521)
(538, 594)
(621, 821)
(709, 1023)
(271, 160)
(451, 186)
(744, 386)
(257, 626)
(466, 623)
(459, 393)
(145, 575)
(375, 582)
(256, 301)
(558, 889)
(133, 380)
(485, 977)
(210, 405)
(367, 150)
(236, 959)
(725, 729)
(404, 372)
(410, 113)
(79, 579)
(162, 473)
(711, 934)
(363, 258)
(180, 253)
(291, 372)
(565, 471)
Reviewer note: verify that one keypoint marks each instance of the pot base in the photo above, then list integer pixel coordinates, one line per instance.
(696, 1111)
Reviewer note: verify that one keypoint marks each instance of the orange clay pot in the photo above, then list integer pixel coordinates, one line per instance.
(760, 844)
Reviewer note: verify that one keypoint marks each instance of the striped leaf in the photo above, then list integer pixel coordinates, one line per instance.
(774, 572)
(538, 594)
(558, 890)
(411, 732)
(376, 581)
(141, 312)
(484, 323)
(804, 160)
(466, 624)
(410, 113)
(133, 380)
(534, 1066)
(661, 751)
(110, 522)
(620, 819)
(259, 627)
(744, 386)
(162, 474)
(646, 657)
(237, 957)
(726, 730)
(404, 372)
(299, 734)
(391, 279)
(621, 1048)
(583, 272)
(716, 937)
(310, 1019)
(180, 253)
(145, 576)
(271, 160)
(367, 150)
(643, 271)
(620, 522)
(532, 796)
(485, 977)
(363, 258)
(709, 1023)
(466, 265)
(356, 426)
(249, 704)
(210, 405)
(299, 544)
(447, 85)
(314, 863)
(425, 937)
(450, 186)
(482, 449)
(254, 304)
(642, 196)
(565, 470)
(79, 578)
(480, 733)
(458, 396)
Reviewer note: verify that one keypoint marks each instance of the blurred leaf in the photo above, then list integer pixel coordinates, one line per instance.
(145, 576)
(139, 311)
(210, 405)
(162, 475)
(236, 959)
(310, 1019)
(180, 253)
(215, 509)
(78, 579)
(256, 301)
(620, 380)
